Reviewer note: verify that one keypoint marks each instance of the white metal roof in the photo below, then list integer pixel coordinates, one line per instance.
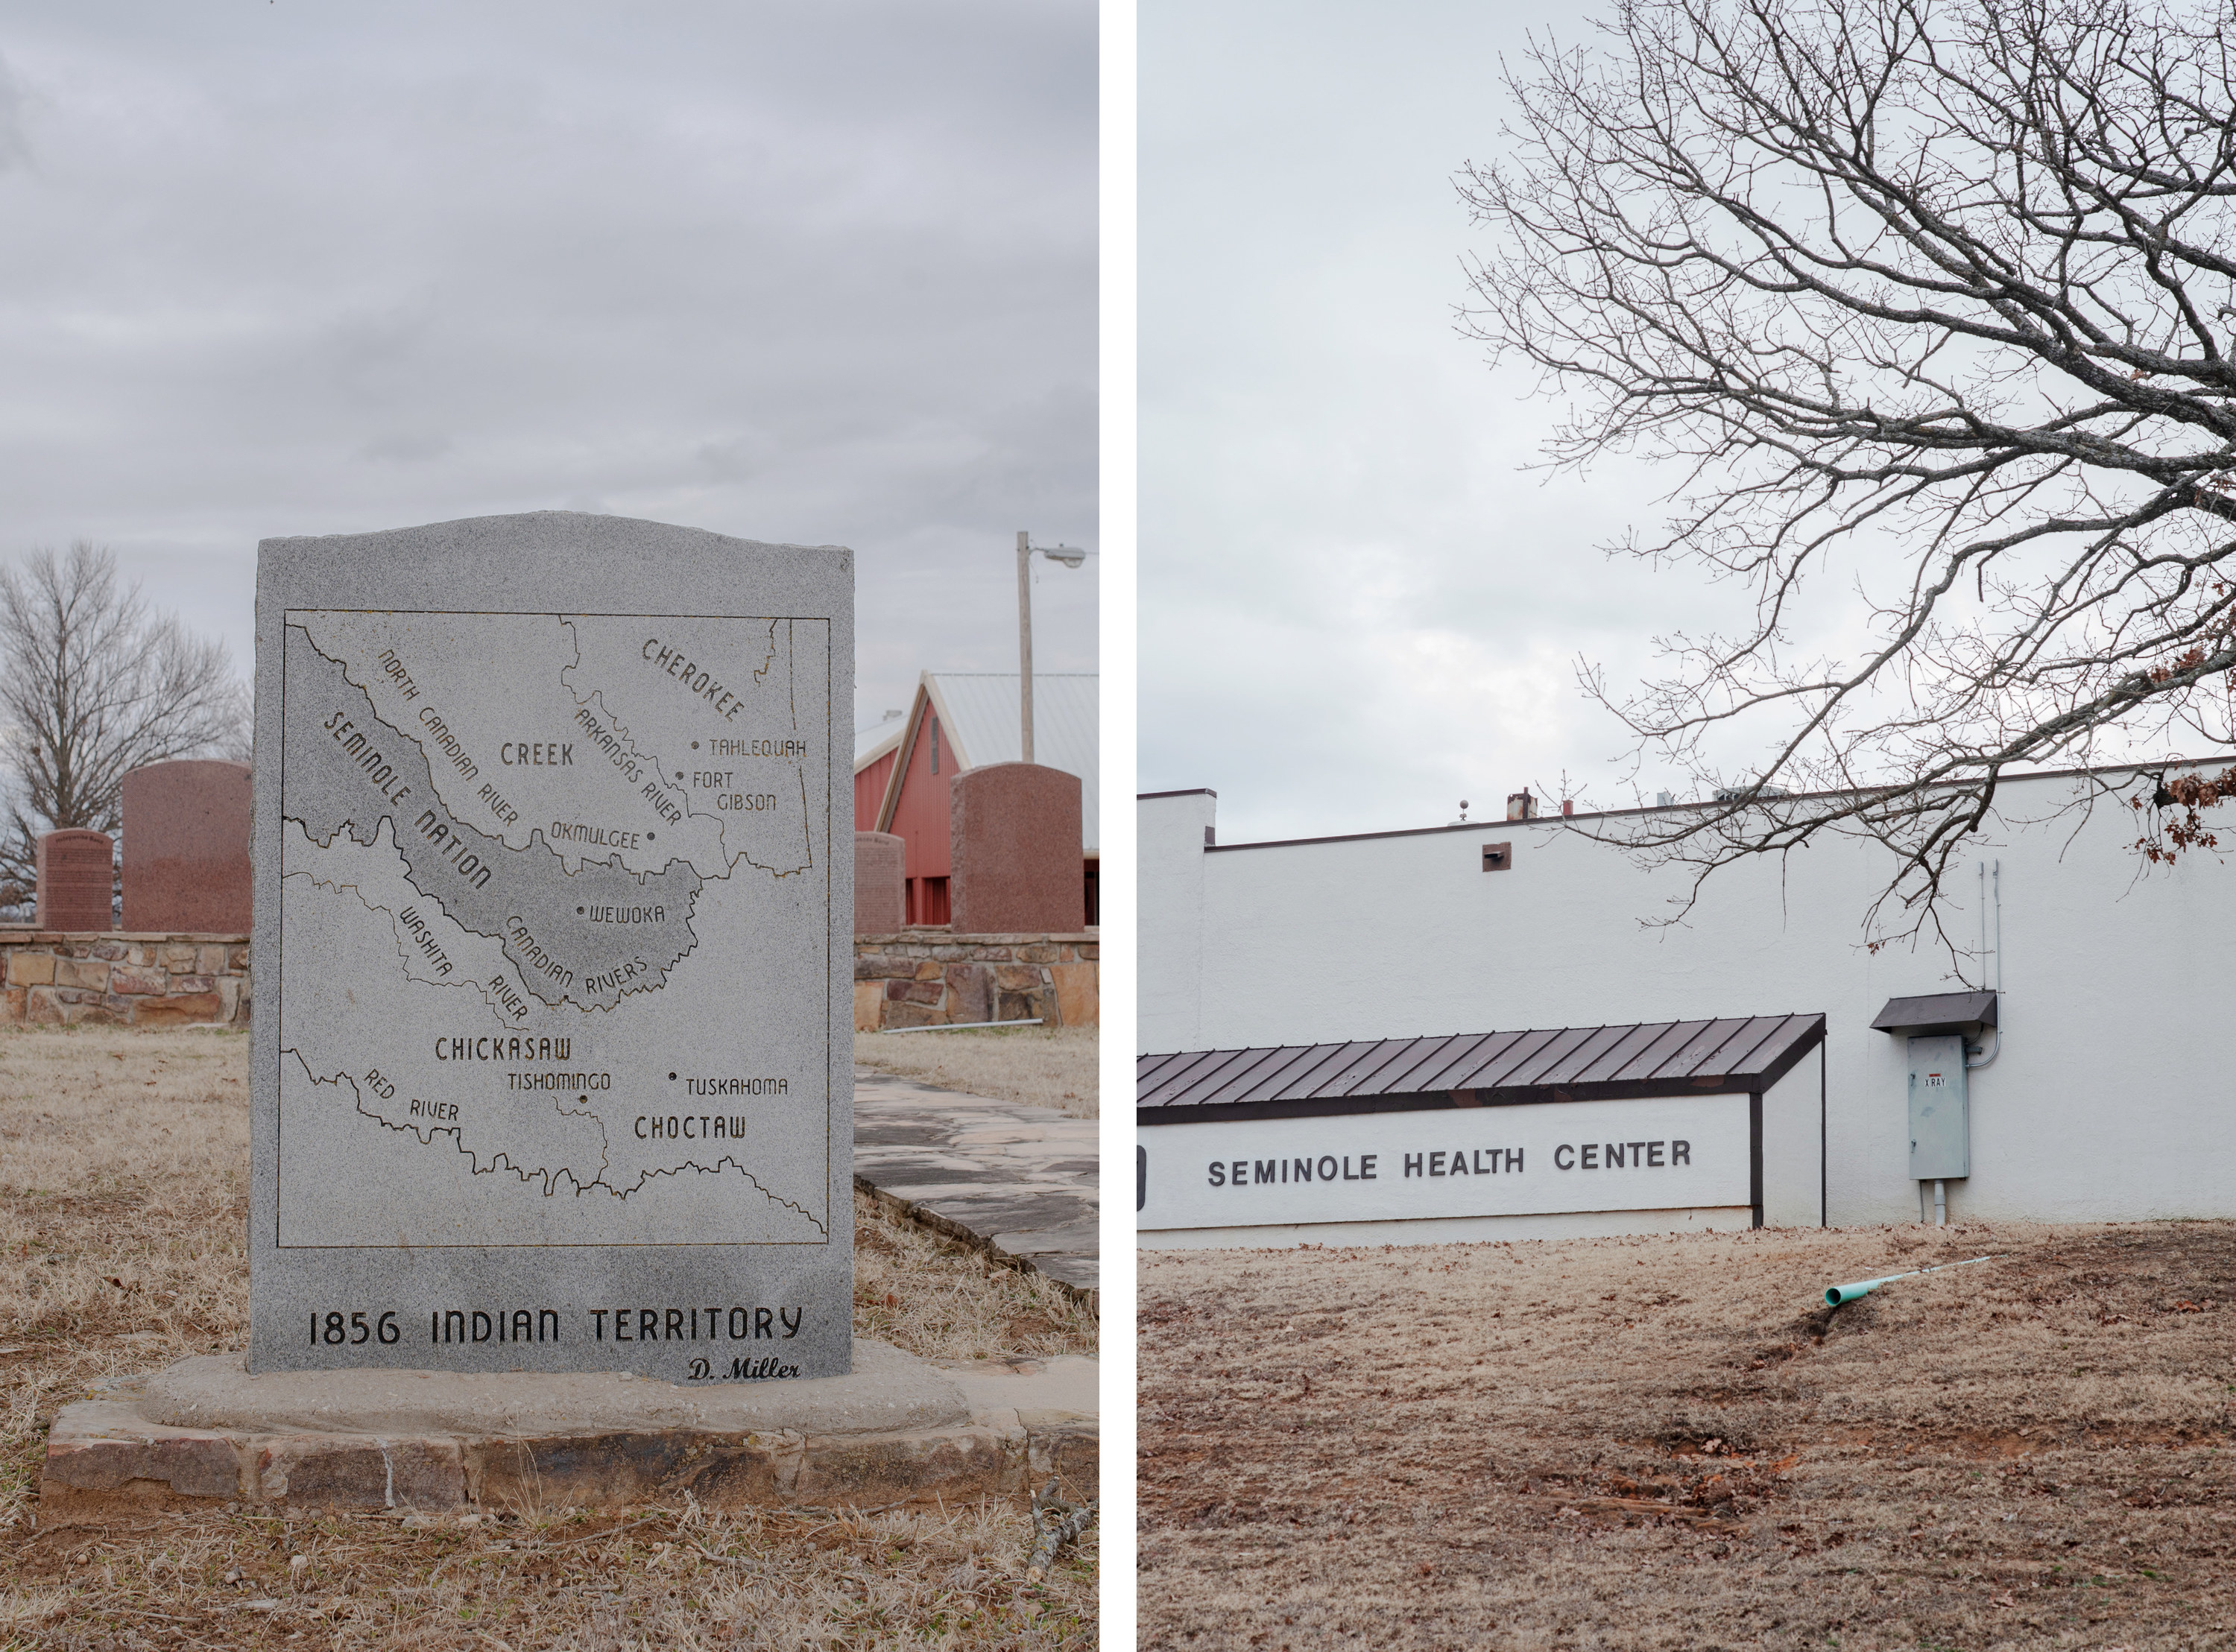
(873, 740)
(979, 712)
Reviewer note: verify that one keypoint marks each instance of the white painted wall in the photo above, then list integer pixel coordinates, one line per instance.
(1793, 1171)
(1168, 847)
(1403, 1167)
(1455, 1230)
(2114, 1096)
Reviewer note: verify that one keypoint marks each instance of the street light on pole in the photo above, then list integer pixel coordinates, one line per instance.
(1071, 557)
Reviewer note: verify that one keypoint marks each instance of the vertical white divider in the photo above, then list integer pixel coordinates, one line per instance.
(1119, 547)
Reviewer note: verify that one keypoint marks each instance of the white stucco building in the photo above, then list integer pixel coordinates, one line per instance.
(2107, 1090)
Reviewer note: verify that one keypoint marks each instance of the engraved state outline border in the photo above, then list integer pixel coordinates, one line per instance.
(278, 1015)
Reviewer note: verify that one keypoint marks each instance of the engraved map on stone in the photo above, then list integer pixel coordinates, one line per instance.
(555, 898)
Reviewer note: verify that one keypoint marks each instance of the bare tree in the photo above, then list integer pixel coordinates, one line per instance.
(1940, 298)
(94, 684)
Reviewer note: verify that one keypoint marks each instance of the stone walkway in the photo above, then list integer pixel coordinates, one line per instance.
(1023, 1181)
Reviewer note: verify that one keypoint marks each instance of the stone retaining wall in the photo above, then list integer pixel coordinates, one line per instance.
(118, 979)
(932, 977)
(922, 977)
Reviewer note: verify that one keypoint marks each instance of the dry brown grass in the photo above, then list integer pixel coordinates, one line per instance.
(1044, 1066)
(1664, 1442)
(669, 1578)
(123, 1179)
(946, 1302)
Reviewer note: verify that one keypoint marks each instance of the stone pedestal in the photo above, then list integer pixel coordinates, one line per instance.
(880, 879)
(896, 1429)
(76, 875)
(1015, 846)
(186, 847)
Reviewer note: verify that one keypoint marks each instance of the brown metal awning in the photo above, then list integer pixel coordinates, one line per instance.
(1937, 1012)
(1741, 1055)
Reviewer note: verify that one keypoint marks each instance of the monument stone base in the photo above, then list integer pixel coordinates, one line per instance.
(205, 1434)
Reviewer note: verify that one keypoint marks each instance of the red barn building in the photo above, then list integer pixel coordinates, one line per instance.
(961, 720)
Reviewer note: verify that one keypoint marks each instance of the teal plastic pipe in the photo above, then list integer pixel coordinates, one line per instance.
(1836, 1294)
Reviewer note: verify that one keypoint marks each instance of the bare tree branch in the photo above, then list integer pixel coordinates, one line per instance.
(94, 685)
(1943, 289)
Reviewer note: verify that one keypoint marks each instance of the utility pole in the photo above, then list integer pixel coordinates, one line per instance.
(1025, 640)
(1070, 557)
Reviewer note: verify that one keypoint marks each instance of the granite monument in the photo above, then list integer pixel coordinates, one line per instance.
(880, 892)
(1014, 842)
(186, 847)
(553, 1064)
(76, 874)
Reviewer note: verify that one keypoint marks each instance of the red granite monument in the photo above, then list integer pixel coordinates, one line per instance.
(76, 875)
(880, 867)
(1015, 847)
(186, 847)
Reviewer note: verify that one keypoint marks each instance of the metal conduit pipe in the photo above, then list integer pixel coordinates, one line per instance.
(1997, 875)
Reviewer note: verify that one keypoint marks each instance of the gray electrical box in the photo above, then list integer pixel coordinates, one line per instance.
(1940, 1120)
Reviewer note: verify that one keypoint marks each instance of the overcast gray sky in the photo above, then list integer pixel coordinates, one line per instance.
(821, 273)
(1356, 607)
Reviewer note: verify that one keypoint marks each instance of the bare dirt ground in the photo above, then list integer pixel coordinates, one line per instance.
(1669, 1443)
(1051, 1066)
(123, 1182)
